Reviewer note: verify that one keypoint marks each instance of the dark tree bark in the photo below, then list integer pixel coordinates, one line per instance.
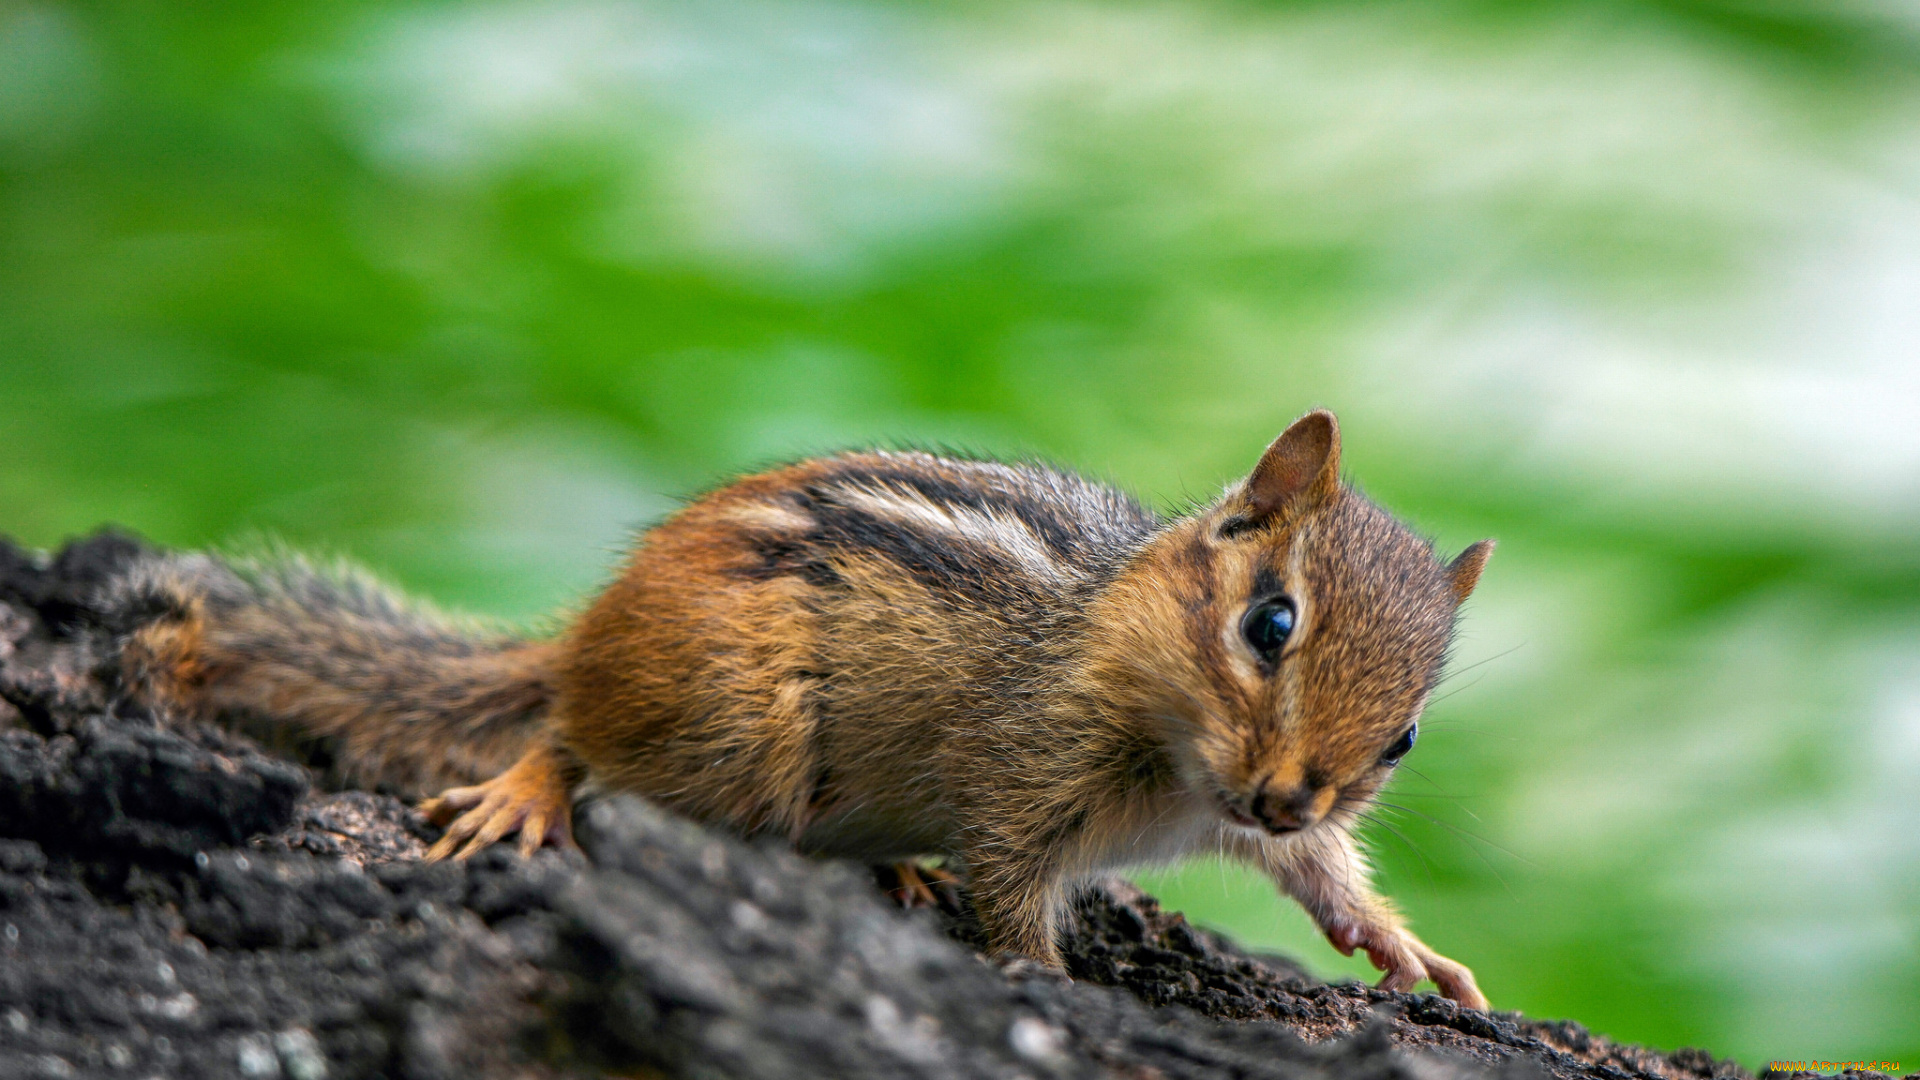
(177, 901)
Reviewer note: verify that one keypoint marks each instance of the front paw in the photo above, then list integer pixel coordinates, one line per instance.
(1454, 981)
(1407, 960)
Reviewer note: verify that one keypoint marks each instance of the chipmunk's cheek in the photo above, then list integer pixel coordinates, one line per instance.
(1358, 796)
(1323, 803)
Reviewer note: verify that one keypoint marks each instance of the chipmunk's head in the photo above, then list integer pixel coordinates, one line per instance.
(1287, 637)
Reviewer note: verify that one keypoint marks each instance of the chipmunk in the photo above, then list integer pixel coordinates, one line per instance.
(886, 655)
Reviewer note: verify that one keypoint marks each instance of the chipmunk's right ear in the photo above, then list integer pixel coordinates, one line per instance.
(1302, 467)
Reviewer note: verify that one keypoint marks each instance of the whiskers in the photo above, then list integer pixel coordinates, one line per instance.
(1451, 675)
(1470, 839)
(1368, 807)
(1372, 818)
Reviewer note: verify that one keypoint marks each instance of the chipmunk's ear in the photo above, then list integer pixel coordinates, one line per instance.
(1463, 573)
(1302, 464)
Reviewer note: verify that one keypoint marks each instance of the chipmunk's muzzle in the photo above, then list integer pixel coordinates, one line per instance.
(1289, 809)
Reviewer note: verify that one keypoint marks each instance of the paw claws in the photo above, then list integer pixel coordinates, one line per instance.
(1407, 961)
(451, 802)
(1456, 982)
(1401, 980)
(531, 797)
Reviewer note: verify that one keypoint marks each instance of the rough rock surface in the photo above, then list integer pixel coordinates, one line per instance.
(174, 901)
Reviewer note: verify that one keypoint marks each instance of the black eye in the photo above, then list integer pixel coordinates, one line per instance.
(1267, 627)
(1401, 746)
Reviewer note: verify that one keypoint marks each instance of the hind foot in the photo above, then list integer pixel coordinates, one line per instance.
(533, 798)
(917, 885)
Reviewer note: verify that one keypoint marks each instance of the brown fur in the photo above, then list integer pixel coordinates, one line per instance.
(887, 655)
(397, 697)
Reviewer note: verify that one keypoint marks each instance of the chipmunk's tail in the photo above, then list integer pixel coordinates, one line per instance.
(381, 691)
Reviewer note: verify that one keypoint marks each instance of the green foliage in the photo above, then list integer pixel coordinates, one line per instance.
(468, 291)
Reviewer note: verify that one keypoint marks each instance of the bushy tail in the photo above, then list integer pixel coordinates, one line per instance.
(382, 692)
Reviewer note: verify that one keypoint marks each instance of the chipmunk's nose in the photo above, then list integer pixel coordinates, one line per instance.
(1286, 809)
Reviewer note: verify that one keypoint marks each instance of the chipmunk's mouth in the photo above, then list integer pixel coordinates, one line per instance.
(1238, 816)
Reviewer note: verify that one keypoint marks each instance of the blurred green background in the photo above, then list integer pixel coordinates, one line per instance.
(468, 291)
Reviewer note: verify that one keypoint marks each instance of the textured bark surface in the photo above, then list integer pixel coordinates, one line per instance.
(176, 901)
